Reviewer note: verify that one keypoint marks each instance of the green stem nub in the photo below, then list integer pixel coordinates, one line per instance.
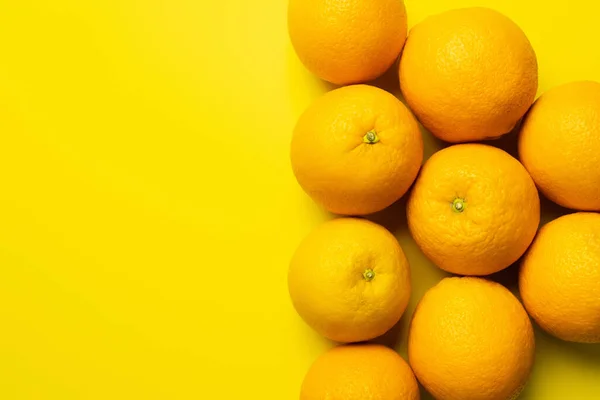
(369, 274)
(371, 137)
(458, 205)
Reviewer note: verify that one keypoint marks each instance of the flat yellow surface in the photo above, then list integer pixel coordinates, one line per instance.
(147, 206)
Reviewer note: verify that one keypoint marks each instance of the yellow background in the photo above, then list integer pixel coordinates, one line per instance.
(148, 210)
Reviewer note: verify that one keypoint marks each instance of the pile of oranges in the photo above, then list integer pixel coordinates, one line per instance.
(467, 76)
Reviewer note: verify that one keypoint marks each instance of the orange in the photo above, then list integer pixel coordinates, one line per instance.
(559, 145)
(470, 338)
(474, 209)
(347, 41)
(349, 280)
(356, 150)
(360, 372)
(560, 278)
(468, 74)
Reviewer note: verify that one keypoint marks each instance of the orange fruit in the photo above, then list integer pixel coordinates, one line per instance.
(360, 372)
(474, 209)
(560, 278)
(470, 338)
(356, 150)
(559, 145)
(349, 280)
(347, 41)
(468, 74)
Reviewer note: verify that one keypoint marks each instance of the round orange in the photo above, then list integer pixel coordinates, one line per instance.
(349, 280)
(347, 41)
(360, 372)
(468, 74)
(473, 210)
(356, 150)
(560, 278)
(470, 338)
(559, 144)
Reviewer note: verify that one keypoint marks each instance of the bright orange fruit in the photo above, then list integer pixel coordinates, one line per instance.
(360, 372)
(349, 280)
(468, 74)
(347, 41)
(470, 338)
(560, 278)
(473, 210)
(559, 144)
(356, 150)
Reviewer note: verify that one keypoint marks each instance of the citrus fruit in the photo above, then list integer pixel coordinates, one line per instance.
(559, 144)
(470, 338)
(347, 41)
(360, 372)
(356, 150)
(560, 278)
(349, 280)
(474, 209)
(468, 74)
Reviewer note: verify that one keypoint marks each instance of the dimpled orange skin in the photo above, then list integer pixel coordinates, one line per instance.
(500, 209)
(470, 338)
(559, 144)
(329, 288)
(468, 74)
(360, 372)
(335, 166)
(560, 278)
(347, 41)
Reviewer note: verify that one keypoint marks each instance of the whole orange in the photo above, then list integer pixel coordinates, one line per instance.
(356, 150)
(347, 41)
(468, 74)
(470, 338)
(559, 144)
(360, 372)
(349, 280)
(560, 278)
(473, 210)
